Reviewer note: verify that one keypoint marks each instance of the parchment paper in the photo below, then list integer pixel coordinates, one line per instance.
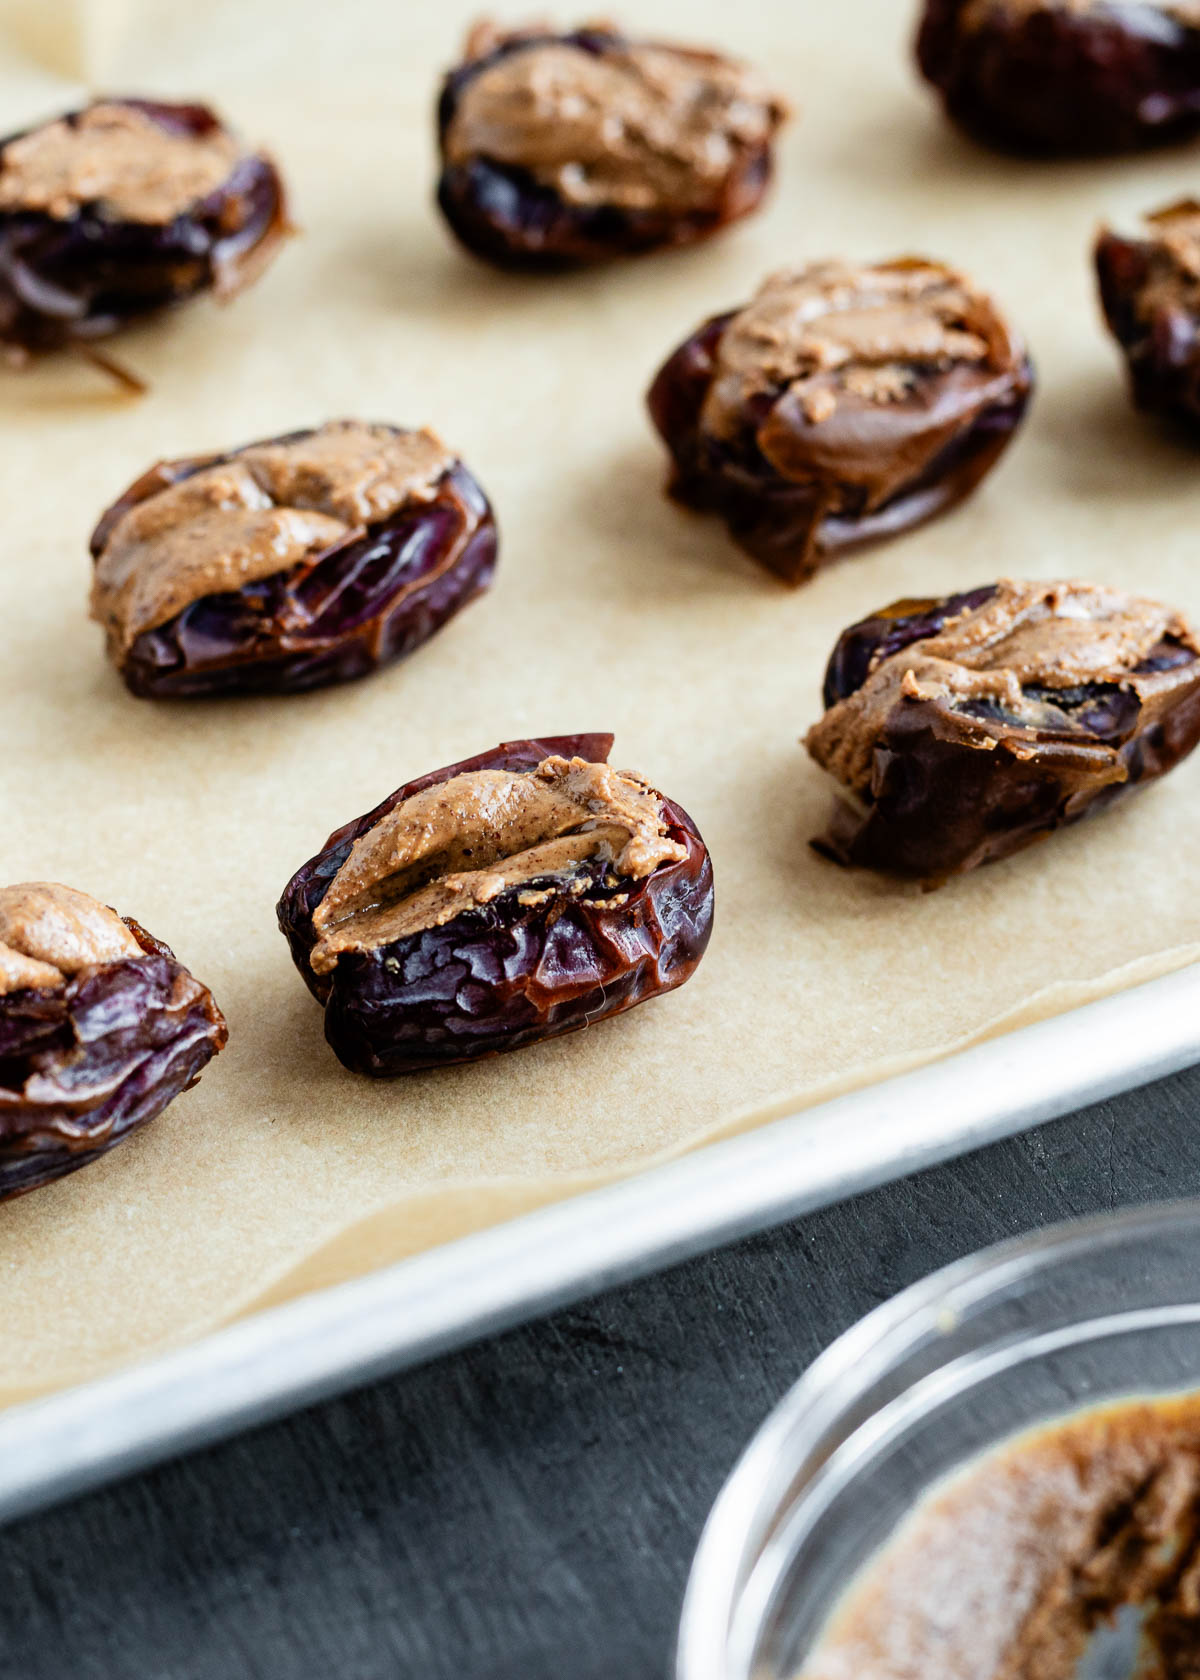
(612, 610)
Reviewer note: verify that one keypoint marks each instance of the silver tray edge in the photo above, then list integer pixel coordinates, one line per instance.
(321, 1344)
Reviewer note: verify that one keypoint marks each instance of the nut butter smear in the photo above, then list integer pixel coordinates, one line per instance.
(115, 156)
(1008, 1572)
(835, 329)
(1044, 635)
(641, 127)
(49, 932)
(462, 842)
(260, 511)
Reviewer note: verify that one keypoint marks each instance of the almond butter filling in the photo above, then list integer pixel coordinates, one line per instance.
(640, 127)
(462, 842)
(261, 511)
(1007, 1571)
(119, 158)
(49, 932)
(1044, 635)
(834, 331)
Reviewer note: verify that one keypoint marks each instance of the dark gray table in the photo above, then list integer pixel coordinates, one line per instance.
(527, 1509)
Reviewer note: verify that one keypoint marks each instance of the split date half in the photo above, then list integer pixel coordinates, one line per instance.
(100, 1028)
(1063, 77)
(308, 559)
(966, 728)
(843, 405)
(576, 148)
(113, 212)
(503, 900)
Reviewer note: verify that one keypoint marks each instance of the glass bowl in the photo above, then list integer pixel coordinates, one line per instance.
(1096, 1310)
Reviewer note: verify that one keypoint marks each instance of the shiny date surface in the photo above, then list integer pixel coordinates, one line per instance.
(505, 975)
(84, 1064)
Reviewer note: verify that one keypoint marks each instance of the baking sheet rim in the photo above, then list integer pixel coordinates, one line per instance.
(277, 1360)
(434, 1218)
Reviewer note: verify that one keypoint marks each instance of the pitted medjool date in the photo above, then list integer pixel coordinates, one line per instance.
(1150, 292)
(100, 1028)
(113, 212)
(1065, 76)
(843, 405)
(308, 559)
(575, 148)
(964, 729)
(502, 900)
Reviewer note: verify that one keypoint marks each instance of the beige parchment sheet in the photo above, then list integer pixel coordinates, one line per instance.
(612, 609)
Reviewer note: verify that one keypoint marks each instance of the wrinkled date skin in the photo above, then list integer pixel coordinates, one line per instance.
(1063, 79)
(504, 975)
(793, 526)
(508, 217)
(940, 806)
(356, 606)
(83, 277)
(1161, 342)
(84, 1064)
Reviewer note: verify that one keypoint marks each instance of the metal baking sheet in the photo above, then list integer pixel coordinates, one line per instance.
(395, 323)
(280, 1360)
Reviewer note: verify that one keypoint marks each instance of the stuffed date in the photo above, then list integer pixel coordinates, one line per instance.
(1065, 77)
(100, 1028)
(114, 211)
(1150, 293)
(575, 148)
(308, 559)
(963, 729)
(502, 900)
(843, 405)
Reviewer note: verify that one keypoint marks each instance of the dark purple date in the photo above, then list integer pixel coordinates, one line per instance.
(85, 1063)
(958, 779)
(501, 210)
(807, 468)
(1052, 78)
(365, 601)
(1150, 293)
(80, 276)
(506, 974)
